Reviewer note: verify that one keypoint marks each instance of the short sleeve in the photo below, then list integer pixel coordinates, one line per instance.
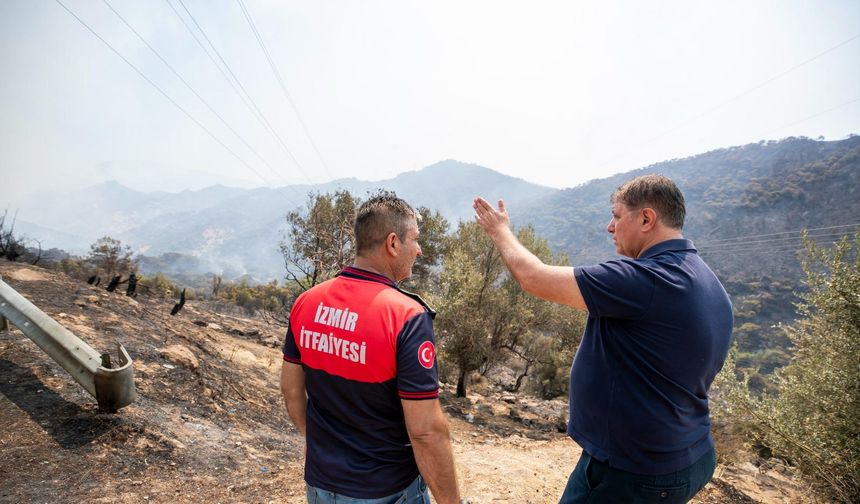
(417, 372)
(616, 289)
(291, 350)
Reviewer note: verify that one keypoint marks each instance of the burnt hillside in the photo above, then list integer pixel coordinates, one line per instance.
(209, 424)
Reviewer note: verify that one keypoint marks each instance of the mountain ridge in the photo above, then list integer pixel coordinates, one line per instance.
(238, 230)
(729, 192)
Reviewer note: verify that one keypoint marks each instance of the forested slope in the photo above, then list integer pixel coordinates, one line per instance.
(745, 208)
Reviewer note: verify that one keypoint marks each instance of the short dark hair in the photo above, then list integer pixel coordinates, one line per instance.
(657, 192)
(378, 217)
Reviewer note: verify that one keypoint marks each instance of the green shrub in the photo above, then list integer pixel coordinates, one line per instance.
(159, 286)
(813, 419)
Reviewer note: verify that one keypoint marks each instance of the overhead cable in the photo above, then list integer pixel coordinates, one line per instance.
(758, 86)
(190, 88)
(813, 116)
(262, 116)
(764, 247)
(826, 235)
(274, 68)
(756, 236)
(163, 93)
(763, 250)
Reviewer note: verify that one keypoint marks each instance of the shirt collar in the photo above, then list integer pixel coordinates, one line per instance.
(361, 274)
(675, 245)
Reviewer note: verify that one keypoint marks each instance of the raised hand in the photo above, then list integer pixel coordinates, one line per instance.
(491, 220)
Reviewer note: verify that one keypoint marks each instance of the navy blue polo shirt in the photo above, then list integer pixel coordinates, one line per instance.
(658, 332)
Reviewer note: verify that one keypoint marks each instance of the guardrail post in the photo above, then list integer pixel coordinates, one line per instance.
(113, 387)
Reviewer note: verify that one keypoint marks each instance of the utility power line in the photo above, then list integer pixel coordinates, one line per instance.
(241, 96)
(764, 250)
(787, 244)
(832, 234)
(163, 93)
(758, 86)
(271, 129)
(776, 246)
(215, 63)
(746, 238)
(813, 116)
(769, 246)
(289, 98)
(190, 88)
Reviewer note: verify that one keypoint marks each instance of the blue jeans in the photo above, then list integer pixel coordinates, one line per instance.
(594, 482)
(415, 493)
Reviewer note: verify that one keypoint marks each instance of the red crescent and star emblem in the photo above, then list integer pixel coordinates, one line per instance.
(427, 354)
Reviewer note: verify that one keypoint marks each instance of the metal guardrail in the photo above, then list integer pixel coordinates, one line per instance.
(113, 387)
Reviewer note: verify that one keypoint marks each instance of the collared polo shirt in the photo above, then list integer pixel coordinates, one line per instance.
(364, 345)
(657, 333)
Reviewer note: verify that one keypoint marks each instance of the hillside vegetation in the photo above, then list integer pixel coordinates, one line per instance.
(746, 207)
(209, 424)
(763, 215)
(756, 189)
(235, 232)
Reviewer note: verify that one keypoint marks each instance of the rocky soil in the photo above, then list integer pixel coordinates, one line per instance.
(209, 424)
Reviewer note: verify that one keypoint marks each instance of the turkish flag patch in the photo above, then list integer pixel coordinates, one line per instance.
(427, 354)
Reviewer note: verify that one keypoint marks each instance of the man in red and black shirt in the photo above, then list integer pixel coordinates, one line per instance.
(360, 379)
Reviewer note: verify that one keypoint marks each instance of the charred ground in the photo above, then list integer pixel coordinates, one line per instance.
(209, 424)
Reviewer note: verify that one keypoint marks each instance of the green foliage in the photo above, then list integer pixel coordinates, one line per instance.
(747, 335)
(471, 266)
(433, 240)
(736, 193)
(270, 300)
(485, 317)
(109, 257)
(814, 418)
(320, 241)
(552, 371)
(797, 178)
(74, 267)
(764, 361)
(159, 286)
(735, 428)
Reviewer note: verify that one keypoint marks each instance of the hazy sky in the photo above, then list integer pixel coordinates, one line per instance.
(554, 92)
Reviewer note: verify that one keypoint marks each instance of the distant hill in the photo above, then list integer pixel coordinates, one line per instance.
(757, 189)
(745, 208)
(236, 231)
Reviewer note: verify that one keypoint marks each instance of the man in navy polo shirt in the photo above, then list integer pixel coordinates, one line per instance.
(360, 378)
(658, 330)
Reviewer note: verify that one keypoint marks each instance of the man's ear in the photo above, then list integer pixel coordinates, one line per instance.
(648, 219)
(392, 244)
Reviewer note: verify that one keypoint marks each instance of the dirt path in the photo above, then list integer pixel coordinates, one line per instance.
(511, 469)
(212, 428)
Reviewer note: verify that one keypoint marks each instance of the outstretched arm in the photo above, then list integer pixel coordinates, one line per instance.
(553, 283)
(431, 443)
